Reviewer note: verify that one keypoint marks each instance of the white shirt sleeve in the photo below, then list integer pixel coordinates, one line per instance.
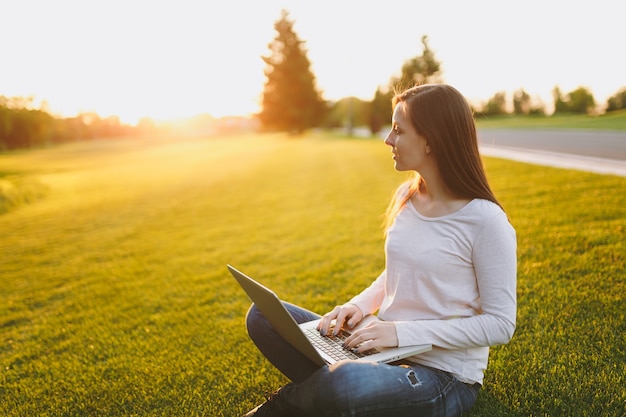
(370, 299)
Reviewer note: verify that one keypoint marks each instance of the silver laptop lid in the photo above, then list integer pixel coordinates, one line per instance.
(278, 316)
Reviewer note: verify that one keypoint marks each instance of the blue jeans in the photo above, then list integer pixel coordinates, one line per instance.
(349, 388)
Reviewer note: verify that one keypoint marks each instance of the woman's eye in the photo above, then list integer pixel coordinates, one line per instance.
(397, 131)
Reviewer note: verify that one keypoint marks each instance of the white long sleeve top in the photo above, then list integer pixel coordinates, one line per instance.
(449, 281)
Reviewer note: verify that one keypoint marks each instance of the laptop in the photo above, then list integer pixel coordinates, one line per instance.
(322, 350)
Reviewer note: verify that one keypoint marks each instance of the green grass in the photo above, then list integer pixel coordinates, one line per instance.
(116, 300)
(610, 121)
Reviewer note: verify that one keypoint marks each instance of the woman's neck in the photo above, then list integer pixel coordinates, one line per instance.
(434, 199)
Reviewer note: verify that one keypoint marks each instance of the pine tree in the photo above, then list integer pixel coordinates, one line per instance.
(291, 101)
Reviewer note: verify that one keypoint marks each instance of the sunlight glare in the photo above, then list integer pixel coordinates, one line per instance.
(167, 60)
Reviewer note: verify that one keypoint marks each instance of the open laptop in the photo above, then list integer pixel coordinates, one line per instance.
(306, 338)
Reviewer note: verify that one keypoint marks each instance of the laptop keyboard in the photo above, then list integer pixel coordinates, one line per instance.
(332, 345)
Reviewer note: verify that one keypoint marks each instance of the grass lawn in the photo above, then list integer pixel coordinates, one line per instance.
(116, 300)
(615, 120)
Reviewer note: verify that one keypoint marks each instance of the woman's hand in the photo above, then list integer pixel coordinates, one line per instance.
(347, 314)
(376, 334)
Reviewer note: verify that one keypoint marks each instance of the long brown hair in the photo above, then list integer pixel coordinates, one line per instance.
(441, 114)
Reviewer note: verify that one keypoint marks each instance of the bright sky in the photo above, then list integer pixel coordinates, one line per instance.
(175, 58)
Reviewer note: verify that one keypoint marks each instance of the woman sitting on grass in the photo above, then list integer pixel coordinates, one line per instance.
(449, 281)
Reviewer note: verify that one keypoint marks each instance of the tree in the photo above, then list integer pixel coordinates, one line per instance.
(577, 101)
(496, 104)
(291, 101)
(581, 100)
(22, 126)
(521, 102)
(617, 101)
(560, 105)
(418, 70)
(349, 112)
(380, 110)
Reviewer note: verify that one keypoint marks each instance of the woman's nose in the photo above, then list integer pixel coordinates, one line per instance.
(389, 139)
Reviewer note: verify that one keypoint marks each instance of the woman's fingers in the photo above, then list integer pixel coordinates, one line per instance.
(347, 314)
(326, 321)
(374, 335)
(355, 317)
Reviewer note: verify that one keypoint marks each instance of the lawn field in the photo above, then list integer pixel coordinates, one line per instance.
(116, 300)
(615, 120)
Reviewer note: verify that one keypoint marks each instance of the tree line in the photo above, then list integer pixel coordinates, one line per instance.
(292, 101)
(24, 126)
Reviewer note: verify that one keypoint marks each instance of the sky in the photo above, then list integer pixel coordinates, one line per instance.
(169, 59)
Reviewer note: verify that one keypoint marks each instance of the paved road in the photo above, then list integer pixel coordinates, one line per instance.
(601, 152)
(610, 145)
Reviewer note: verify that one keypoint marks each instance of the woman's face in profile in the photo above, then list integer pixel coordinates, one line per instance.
(410, 149)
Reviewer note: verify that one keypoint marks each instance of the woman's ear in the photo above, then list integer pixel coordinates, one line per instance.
(427, 148)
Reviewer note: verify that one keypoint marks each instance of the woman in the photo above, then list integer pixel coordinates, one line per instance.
(449, 281)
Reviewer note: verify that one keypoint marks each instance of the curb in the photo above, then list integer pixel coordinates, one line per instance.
(557, 160)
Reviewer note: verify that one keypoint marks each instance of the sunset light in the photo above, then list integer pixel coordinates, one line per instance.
(441, 184)
(168, 59)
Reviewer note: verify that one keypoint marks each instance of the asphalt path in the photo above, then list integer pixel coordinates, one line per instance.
(594, 151)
